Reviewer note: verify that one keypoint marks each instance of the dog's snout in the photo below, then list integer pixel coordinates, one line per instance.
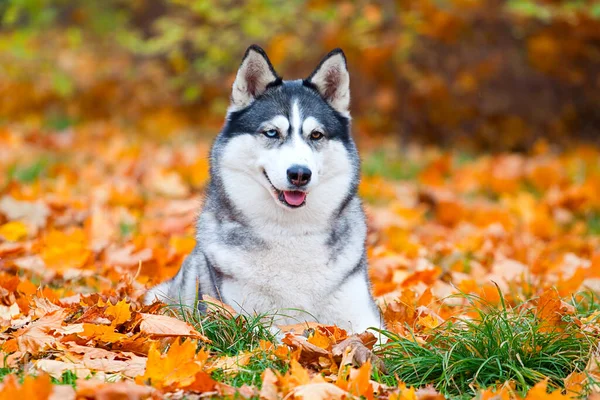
(299, 175)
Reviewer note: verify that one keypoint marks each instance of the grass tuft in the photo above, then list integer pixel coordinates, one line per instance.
(235, 334)
(251, 373)
(67, 378)
(232, 334)
(499, 345)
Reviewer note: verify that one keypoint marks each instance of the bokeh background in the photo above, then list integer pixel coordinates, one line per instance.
(483, 74)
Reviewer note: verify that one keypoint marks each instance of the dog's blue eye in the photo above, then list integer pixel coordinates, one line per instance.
(271, 133)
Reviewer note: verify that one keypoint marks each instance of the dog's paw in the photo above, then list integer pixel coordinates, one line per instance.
(277, 333)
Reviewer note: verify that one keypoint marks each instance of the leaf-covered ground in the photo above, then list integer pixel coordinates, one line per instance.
(486, 268)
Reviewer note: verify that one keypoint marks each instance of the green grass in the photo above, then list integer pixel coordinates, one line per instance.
(126, 229)
(5, 371)
(458, 358)
(67, 378)
(593, 223)
(231, 335)
(58, 122)
(499, 345)
(29, 173)
(379, 163)
(585, 303)
(250, 374)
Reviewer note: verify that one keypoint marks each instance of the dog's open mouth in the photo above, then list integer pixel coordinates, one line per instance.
(291, 198)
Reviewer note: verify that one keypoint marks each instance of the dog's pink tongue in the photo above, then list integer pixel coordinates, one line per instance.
(294, 198)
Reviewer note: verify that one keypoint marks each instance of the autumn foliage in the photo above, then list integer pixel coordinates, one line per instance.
(486, 265)
(493, 74)
(91, 215)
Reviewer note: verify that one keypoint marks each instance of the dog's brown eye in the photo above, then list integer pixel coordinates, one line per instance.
(316, 135)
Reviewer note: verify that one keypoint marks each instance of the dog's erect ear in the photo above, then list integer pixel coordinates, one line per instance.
(332, 80)
(253, 77)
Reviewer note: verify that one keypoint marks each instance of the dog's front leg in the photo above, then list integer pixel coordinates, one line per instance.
(352, 306)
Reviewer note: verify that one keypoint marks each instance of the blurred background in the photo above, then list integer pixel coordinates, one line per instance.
(479, 74)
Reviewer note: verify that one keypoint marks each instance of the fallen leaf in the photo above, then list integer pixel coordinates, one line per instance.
(94, 389)
(55, 368)
(101, 333)
(33, 213)
(33, 388)
(13, 231)
(120, 312)
(163, 325)
(177, 368)
(269, 390)
(308, 351)
(35, 337)
(319, 391)
(540, 391)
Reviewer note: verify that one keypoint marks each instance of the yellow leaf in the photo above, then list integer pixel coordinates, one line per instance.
(13, 231)
(119, 311)
(428, 322)
(182, 244)
(65, 250)
(102, 333)
(320, 340)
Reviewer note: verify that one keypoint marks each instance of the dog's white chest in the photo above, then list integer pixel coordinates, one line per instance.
(289, 272)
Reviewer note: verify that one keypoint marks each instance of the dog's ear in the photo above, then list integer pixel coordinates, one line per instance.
(253, 77)
(332, 80)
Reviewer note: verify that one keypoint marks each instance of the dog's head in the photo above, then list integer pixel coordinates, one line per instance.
(288, 142)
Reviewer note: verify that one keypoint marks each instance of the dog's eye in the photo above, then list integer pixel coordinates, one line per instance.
(271, 133)
(316, 135)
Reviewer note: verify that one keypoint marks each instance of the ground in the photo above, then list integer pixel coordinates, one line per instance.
(486, 267)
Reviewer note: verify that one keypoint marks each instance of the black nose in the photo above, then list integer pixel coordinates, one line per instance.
(298, 175)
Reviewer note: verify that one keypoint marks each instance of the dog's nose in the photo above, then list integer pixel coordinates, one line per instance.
(299, 175)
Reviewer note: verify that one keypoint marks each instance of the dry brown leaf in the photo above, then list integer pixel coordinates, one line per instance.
(308, 351)
(269, 390)
(319, 391)
(34, 213)
(55, 368)
(35, 337)
(214, 305)
(300, 328)
(127, 256)
(98, 390)
(162, 325)
(231, 364)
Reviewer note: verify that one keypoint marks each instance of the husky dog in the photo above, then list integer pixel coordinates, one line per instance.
(282, 227)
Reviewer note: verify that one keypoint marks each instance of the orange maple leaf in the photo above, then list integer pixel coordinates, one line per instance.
(320, 340)
(540, 392)
(551, 309)
(33, 388)
(178, 368)
(62, 250)
(103, 333)
(359, 383)
(120, 312)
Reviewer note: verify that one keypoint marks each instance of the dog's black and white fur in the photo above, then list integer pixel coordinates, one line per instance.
(282, 227)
